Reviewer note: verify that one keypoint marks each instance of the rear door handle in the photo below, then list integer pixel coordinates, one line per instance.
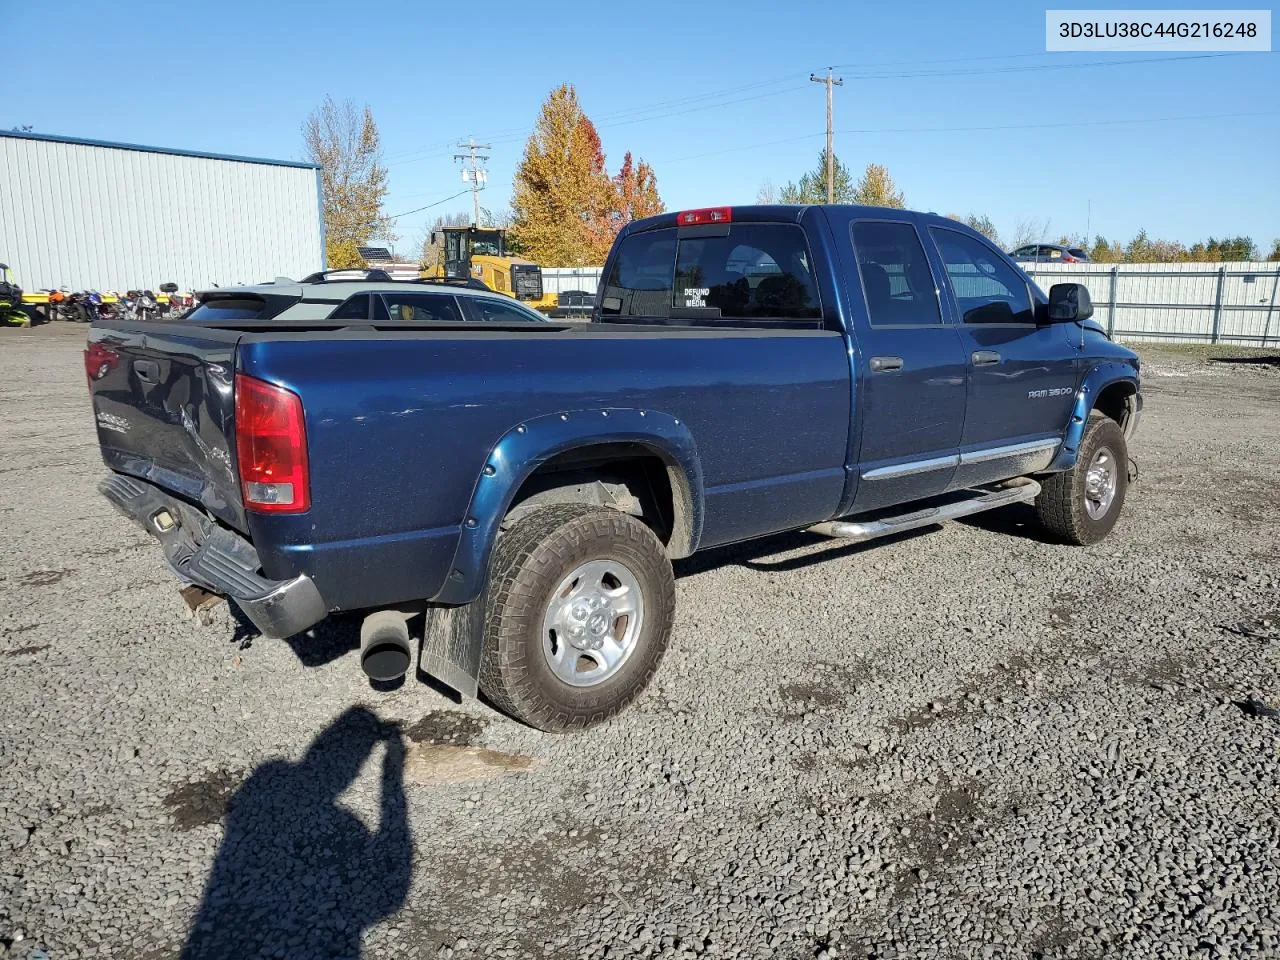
(982, 358)
(885, 364)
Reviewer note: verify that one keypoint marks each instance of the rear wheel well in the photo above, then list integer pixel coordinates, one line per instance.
(630, 477)
(1116, 401)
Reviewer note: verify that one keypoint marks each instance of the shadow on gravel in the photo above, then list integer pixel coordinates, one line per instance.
(298, 875)
(331, 638)
(1016, 520)
(1261, 360)
(748, 554)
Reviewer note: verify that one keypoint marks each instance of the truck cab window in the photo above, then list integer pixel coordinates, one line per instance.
(987, 290)
(641, 280)
(757, 271)
(760, 271)
(896, 279)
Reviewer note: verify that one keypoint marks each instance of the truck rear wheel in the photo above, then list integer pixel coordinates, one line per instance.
(578, 615)
(1082, 504)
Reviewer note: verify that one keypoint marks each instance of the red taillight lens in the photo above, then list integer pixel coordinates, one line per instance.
(271, 446)
(707, 215)
(1069, 259)
(98, 361)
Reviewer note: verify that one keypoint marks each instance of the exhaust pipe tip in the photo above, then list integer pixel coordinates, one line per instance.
(385, 651)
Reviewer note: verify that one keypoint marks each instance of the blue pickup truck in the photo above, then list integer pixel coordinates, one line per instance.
(509, 496)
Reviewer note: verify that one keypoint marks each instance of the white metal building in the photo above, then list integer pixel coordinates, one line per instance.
(85, 214)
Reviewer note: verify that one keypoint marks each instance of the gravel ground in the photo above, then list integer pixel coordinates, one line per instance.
(962, 743)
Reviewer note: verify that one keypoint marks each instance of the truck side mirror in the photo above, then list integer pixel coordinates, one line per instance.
(1069, 303)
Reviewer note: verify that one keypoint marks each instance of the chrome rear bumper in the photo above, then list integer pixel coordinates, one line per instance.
(203, 552)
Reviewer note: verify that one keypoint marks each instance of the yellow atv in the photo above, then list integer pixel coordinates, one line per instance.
(12, 313)
(481, 252)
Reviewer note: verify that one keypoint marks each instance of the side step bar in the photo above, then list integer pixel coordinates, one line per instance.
(1021, 490)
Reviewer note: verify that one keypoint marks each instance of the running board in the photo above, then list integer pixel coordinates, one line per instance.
(1022, 490)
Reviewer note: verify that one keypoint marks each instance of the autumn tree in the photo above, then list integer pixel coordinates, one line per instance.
(877, 189)
(767, 194)
(561, 195)
(635, 193)
(812, 187)
(343, 140)
(1274, 255)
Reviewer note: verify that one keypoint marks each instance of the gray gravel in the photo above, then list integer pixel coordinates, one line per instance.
(964, 743)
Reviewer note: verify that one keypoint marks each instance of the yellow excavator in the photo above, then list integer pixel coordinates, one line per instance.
(481, 253)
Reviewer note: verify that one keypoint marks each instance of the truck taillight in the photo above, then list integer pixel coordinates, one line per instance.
(271, 447)
(98, 361)
(706, 215)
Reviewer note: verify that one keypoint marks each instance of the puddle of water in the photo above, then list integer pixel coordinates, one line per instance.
(428, 764)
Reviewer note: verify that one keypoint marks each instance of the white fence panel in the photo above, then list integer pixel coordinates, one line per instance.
(1178, 302)
(1164, 302)
(562, 279)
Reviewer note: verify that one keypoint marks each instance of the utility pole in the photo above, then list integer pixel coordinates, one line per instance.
(473, 170)
(831, 82)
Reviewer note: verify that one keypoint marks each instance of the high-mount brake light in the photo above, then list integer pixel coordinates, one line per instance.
(271, 447)
(706, 215)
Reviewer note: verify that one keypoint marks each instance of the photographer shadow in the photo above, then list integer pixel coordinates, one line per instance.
(298, 875)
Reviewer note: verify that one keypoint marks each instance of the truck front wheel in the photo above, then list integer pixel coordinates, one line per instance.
(1082, 504)
(577, 617)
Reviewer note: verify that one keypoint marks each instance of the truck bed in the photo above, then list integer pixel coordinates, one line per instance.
(401, 420)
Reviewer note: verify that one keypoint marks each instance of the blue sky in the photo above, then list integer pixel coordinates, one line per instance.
(715, 95)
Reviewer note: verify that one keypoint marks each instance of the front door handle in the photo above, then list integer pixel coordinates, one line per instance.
(885, 364)
(982, 358)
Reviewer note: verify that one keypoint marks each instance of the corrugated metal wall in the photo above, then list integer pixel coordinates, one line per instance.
(1178, 302)
(111, 218)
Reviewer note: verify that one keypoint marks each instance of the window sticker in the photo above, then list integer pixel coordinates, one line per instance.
(696, 297)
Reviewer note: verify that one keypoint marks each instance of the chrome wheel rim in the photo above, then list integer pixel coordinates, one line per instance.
(1100, 481)
(592, 622)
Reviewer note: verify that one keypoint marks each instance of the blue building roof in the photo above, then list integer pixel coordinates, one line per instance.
(21, 135)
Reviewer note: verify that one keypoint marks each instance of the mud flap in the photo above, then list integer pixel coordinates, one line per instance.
(451, 645)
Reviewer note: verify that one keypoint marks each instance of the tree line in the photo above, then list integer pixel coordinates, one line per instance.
(566, 208)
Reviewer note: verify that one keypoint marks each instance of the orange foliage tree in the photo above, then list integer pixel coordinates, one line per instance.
(566, 208)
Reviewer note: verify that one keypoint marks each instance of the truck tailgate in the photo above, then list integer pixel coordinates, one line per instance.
(163, 397)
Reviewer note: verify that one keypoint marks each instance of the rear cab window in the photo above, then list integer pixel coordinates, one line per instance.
(740, 272)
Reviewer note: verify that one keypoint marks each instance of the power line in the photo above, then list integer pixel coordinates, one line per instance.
(1011, 126)
(1034, 67)
(397, 216)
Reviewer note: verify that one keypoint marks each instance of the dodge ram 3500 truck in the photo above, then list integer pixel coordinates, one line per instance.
(847, 370)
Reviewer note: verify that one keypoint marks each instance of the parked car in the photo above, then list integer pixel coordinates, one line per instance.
(850, 371)
(1049, 253)
(363, 295)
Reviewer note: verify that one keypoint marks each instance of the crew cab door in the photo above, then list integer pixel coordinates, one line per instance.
(912, 368)
(1022, 376)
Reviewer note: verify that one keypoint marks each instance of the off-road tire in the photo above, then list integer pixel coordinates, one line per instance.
(1061, 503)
(529, 562)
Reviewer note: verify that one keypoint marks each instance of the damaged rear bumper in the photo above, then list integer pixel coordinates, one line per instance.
(202, 552)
